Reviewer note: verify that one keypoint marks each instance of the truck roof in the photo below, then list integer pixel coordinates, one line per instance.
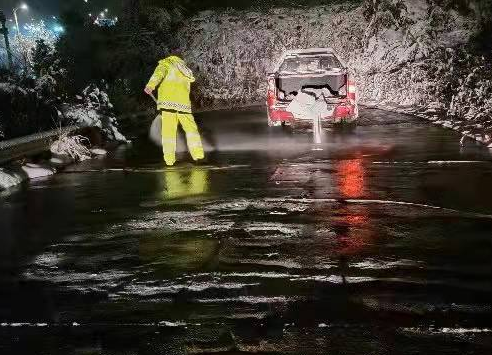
(308, 51)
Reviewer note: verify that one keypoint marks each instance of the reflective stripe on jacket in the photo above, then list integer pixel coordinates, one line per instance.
(174, 79)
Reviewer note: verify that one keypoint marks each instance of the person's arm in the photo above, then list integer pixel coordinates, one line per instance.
(155, 79)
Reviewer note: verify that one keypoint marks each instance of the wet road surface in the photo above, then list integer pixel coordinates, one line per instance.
(378, 244)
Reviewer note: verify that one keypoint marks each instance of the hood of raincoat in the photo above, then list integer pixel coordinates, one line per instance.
(180, 65)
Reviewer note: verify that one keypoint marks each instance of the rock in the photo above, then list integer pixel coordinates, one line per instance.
(10, 178)
(99, 151)
(57, 162)
(34, 171)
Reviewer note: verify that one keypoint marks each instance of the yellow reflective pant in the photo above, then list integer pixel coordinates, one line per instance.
(170, 122)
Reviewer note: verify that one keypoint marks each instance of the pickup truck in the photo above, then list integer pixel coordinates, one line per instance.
(311, 84)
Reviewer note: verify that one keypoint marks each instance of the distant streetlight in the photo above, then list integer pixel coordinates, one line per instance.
(58, 29)
(22, 6)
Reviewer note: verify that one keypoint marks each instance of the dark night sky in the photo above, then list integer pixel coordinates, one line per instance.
(37, 7)
(44, 9)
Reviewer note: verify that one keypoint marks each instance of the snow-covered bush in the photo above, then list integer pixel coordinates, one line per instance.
(23, 48)
(468, 90)
(72, 146)
(30, 103)
(95, 110)
(44, 99)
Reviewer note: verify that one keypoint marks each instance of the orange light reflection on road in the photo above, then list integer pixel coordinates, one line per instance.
(355, 223)
(351, 178)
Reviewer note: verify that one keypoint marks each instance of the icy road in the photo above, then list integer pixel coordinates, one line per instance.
(378, 244)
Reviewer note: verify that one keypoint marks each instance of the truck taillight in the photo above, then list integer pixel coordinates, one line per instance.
(281, 115)
(343, 111)
(352, 90)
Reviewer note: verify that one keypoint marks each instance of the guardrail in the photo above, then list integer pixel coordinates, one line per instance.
(30, 145)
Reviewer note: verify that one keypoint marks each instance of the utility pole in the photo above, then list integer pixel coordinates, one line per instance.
(5, 32)
(21, 7)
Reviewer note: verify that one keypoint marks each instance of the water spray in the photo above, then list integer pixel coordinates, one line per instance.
(317, 132)
(155, 130)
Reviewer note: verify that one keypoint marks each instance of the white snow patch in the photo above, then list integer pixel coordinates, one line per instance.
(284, 229)
(17, 325)
(447, 330)
(10, 179)
(372, 264)
(268, 275)
(249, 299)
(335, 279)
(177, 221)
(444, 162)
(397, 162)
(99, 151)
(37, 171)
(172, 324)
(288, 264)
(193, 286)
(50, 260)
(80, 281)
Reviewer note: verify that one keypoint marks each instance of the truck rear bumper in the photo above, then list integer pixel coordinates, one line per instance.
(337, 113)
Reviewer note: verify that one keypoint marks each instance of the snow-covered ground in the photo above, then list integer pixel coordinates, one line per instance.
(404, 54)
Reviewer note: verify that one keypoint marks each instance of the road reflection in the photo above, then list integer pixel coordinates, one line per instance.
(179, 251)
(185, 183)
(176, 253)
(353, 224)
(351, 178)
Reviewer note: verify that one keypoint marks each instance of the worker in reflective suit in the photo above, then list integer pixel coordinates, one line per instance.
(174, 79)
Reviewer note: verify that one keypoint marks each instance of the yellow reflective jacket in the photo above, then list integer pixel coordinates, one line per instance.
(175, 79)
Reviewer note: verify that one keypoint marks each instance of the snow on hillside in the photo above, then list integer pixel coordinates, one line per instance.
(403, 53)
